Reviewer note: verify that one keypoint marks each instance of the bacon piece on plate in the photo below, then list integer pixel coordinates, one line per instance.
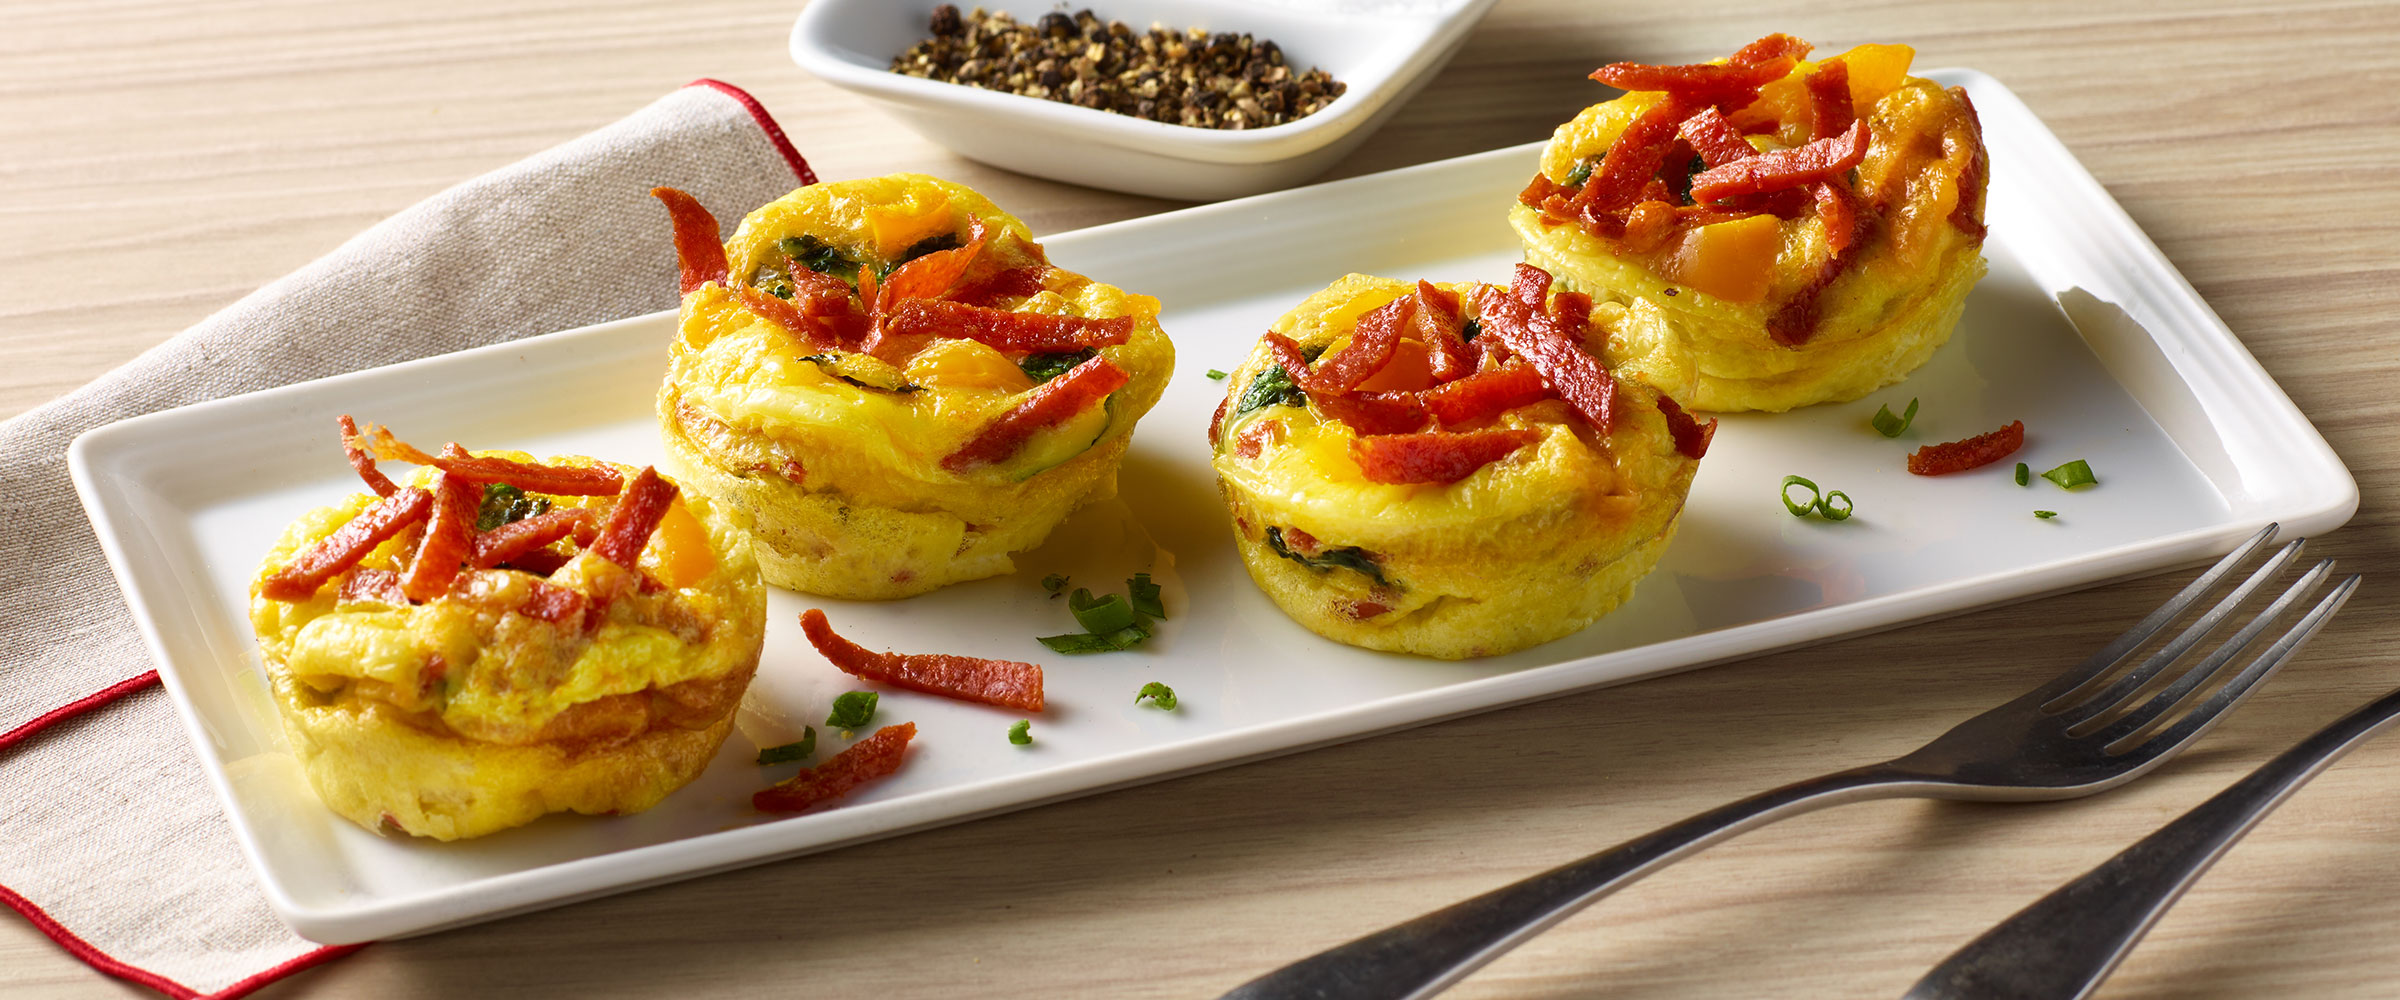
(864, 761)
(1013, 283)
(1714, 138)
(1783, 169)
(557, 480)
(1369, 349)
(554, 604)
(1484, 395)
(932, 274)
(1006, 683)
(1974, 452)
(1370, 413)
(364, 462)
(1633, 160)
(1035, 333)
(1829, 100)
(1691, 436)
(1439, 323)
(1046, 404)
(635, 516)
(699, 250)
(510, 542)
(299, 578)
(787, 315)
(1434, 456)
(449, 539)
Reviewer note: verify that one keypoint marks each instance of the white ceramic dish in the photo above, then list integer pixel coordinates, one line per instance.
(2194, 446)
(1383, 49)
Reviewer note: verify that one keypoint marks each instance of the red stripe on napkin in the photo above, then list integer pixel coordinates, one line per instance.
(766, 123)
(74, 708)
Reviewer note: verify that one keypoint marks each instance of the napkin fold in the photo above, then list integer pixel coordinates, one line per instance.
(114, 845)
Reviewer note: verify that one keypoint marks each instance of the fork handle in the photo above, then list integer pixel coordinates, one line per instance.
(1425, 955)
(2063, 945)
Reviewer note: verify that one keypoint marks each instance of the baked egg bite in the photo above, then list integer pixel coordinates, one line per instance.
(888, 386)
(498, 639)
(1811, 228)
(1448, 470)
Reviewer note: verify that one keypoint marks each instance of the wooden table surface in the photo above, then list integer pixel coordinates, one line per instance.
(162, 159)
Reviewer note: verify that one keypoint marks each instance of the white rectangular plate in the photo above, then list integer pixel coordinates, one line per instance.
(2082, 330)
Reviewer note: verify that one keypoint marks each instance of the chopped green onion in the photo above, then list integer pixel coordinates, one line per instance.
(1145, 596)
(1800, 509)
(2024, 474)
(1099, 615)
(789, 752)
(1076, 642)
(1825, 507)
(1890, 426)
(1021, 734)
(852, 710)
(1272, 387)
(2045, 514)
(2071, 475)
(1159, 695)
(1055, 583)
(1216, 373)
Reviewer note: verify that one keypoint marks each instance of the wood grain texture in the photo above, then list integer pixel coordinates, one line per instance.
(163, 159)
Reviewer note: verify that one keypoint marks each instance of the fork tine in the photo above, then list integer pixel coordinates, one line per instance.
(2108, 656)
(2165, 700)
(2124, 688)
(2206, 716)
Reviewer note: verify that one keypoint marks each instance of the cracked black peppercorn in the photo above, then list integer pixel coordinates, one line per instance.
(1224, 81)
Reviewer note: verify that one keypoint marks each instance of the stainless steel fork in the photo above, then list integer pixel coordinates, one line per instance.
(2083, 732)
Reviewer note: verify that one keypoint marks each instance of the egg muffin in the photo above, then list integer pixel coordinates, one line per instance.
(889, 387)
(499, 639)
(1448, 470)
(1811, 228)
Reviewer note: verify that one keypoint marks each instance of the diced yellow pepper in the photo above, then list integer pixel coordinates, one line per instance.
(679, 550)
(966, 364)
(1876, 70)
(1733, 261)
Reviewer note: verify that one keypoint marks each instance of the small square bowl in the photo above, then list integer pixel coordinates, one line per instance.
(1382, 49)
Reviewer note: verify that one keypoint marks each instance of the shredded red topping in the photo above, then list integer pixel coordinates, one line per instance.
(1782, 169)
(1255, 437)
(449, 538)
(1050, 403)
(1439, 322)
(786, 314)
(298, 579)
(932, 274)
(380, 586)
(864, 761)
(363, 462)
(698, 248)
(1033, 333)
(509, 542)
(557, 480)
(1829, 100)
(1714, 138)
(1557, 354)
(1968, 216)
(1691, 436)
(1370, 348)
(1434, 456)
(1374, 412)
(1013, 283)
(1485, 395)
(1974, 452)
(1730, 81)
(635, 516)
(1006, 683)
(1633, 160)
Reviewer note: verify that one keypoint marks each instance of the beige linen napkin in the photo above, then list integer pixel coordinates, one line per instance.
(110, 841)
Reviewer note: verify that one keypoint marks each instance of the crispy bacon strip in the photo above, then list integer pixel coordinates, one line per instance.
(1014, 283)
(1783, 169)
(635, 516)
(1972, 453)
(1369, 349)
(864, 761)
(1438, 324)
(1007, 331)
(449, 538)
(363, 462)
(1691, 436)
(1712, 81)
(557, 480)
(1714, 138)
(1839, 212)
(1216, 421)
(699, 249)
(376, 586)
(1573, 311)
(1434, 456)
(1006, 683)
(787, 315)
(1370, 413)
(931, 275)
(1047, 404)
(1485, 395)
(509, 542)
(299, 578)
(1829, 100)
(1557, 354)
(1968, 216)
(1632, 161)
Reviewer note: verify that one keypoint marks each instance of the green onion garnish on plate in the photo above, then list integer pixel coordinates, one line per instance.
(2071, 475)
(1890, 426)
